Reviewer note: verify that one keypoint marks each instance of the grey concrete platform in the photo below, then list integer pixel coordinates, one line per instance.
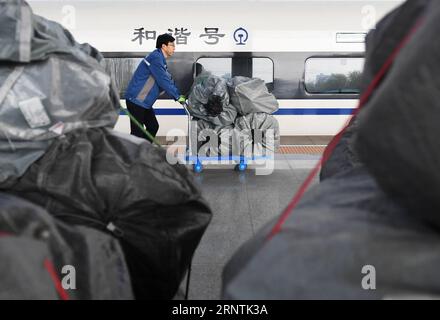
(285, 140)
(242, 203)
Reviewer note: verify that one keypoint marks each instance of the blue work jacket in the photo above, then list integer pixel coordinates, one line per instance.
(150, 78)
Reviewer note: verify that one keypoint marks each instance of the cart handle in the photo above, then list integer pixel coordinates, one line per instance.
(185, 106)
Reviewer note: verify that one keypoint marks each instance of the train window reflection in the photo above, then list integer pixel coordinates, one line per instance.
(121, 70)
(220, 67)
(263, 68)
(228, 67)
(333, 75)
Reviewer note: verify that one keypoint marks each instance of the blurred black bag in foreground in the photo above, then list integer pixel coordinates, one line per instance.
(117, 183)
(380, 44)
(398, 134)
(35, 248)
(58, 149)
(382, 212)
(340, 228)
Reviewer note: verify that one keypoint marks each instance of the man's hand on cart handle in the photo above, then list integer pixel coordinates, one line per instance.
(182, 99)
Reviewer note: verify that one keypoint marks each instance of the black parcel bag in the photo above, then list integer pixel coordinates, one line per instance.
(121, 184)
(43, 258)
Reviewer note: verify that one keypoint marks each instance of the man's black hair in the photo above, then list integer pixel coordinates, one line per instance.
(164, 39)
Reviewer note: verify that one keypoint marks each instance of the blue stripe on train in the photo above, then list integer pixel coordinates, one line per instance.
(280, 112)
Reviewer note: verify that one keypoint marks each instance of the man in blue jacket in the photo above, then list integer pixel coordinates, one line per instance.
(149, 80)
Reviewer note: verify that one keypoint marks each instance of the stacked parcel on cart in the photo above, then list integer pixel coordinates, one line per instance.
(232, 116)
(58, 150)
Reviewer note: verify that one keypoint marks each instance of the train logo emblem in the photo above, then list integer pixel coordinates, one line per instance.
(241, 36)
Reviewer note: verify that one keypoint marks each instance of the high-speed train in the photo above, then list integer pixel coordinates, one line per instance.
(309, 53)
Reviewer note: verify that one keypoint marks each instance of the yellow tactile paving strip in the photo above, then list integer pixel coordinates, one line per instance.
(301, 149)
(293, 149)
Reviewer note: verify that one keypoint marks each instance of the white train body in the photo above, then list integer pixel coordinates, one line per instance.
(297, 47)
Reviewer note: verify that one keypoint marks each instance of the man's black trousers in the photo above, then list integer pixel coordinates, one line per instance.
(146, 117)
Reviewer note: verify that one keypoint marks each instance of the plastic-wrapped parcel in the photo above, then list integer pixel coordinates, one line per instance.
(207, 86)
(49, 85)
(251, 96)
(229, 133)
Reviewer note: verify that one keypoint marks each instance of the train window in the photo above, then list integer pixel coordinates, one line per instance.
(333, 75)
(220, 67)
(262, 68)
(250, 67)
(121, 70)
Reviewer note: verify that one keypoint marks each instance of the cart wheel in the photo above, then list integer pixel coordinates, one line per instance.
(197, 167)
(240, 167)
